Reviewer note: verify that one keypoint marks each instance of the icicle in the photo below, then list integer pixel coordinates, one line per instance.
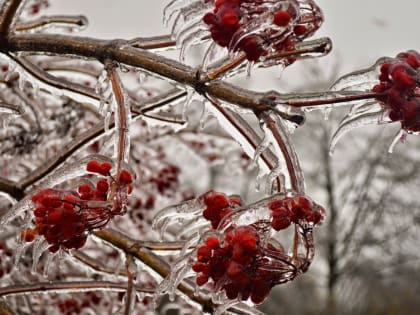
(188, 210)
(261, 148)
(47, 265)
(63, 173)
(191, 228)
(225, 306)
(204, 115)
(188, 100)
(229, 126)
(399, 137)
(249, 66)
(9, 199)
(188, 28)
(362, 80)
(209, 56)
(32, 76)
(352, 122)
(190, 40)
(327, 112)
(40, 246)
(23, 206)
(172, 8)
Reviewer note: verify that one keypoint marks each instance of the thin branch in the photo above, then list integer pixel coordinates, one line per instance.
(63, 154)
(225, 67)
(71, 286)
(155, 42)
(130, 284)
(129, 246)
(72, 21)
(11, 188)
(96, 264)
(288, 152)
(122, 114)
(55, 82)
(333, 100)
(12, 108)
(8, 11)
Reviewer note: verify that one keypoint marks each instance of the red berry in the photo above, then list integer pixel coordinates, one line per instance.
(230, 19)
(203, 254)
(105, 168)
(125, 177)
(93, 166)
(102, 186)
(212, 243)
(202, 279)
(300, 30)
(281, 18)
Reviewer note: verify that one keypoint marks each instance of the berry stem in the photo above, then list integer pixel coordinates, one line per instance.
(155, 42)
(324, 100)
(295, 243)
(225, 67)
(122, 116)
(292, 162)
(78, 21)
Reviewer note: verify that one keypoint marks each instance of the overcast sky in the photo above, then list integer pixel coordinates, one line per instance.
(361, 30)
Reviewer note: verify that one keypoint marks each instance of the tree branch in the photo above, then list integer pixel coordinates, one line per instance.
(120, 51)
(7, 14)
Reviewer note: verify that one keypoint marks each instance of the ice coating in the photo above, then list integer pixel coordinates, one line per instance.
(393, 83)
(354, 121)
(239, 255)
(256, 28)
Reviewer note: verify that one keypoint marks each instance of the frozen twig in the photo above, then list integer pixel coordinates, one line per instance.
(79, 21)
(8, 10)
(71, 286)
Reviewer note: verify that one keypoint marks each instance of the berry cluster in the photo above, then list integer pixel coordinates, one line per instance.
(296, 210)
(234, 24)
(399, 83)
(218, 205)
(233, 264)
(65, 218)
(246, 261)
